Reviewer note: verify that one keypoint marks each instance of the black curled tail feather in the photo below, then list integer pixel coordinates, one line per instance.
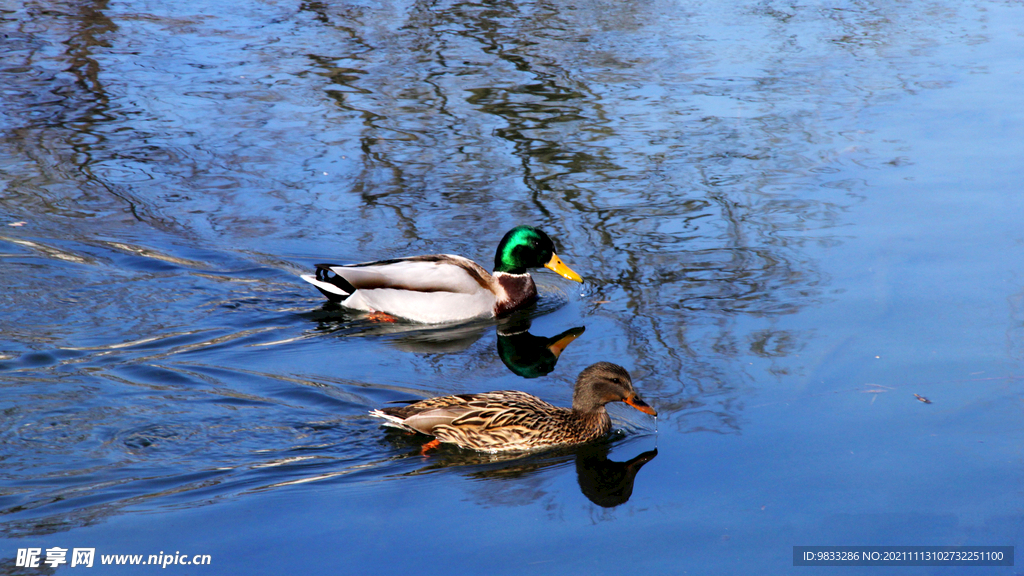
(325, 274)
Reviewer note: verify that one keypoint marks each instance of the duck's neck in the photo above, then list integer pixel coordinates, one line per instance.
(518, 289)
(593, 424)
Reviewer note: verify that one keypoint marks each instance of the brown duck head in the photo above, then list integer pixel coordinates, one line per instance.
(605, 382)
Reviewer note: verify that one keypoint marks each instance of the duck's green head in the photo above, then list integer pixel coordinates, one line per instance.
(527, 247)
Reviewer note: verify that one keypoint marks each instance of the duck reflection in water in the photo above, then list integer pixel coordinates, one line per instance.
(605, 482)
(522, 353)
(532, 356)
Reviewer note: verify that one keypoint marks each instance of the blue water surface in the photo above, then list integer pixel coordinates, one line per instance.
(799, 225)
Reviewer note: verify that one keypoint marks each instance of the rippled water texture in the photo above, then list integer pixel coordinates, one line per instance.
(792, 219)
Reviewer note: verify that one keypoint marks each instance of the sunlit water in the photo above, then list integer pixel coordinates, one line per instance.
(792, 218)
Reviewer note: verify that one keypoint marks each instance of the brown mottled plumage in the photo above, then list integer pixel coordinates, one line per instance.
(510, 420)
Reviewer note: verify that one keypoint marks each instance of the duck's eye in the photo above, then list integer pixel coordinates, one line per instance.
(617, 380)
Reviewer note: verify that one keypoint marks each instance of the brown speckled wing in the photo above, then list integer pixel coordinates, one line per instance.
(507, 420)
(428, 404)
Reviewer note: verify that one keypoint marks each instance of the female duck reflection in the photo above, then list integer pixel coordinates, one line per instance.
(605, 482)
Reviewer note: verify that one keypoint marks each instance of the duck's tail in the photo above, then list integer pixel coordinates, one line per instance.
(330, 284)
(392, 421)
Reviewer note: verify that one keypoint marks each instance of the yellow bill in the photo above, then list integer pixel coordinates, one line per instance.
(561, 269)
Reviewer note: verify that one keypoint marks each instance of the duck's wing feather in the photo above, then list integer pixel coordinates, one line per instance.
(435, 273)
(487, 410)
(423, 422)
(427, 420)
(515, 421)
(504, 409)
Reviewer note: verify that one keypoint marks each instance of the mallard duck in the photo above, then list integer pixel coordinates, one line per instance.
(443, 287)
(509, 420)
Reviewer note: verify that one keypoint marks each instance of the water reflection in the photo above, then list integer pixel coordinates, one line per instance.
(694, 202)
(343, 450)
(605, 482)
(523, 353)
(407, 336)
(532, 356)
(167, 159)
(691, 202)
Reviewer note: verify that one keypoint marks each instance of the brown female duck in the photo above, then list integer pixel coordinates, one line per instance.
(508, 420)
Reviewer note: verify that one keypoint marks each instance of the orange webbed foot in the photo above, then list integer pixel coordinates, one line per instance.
(429, 446)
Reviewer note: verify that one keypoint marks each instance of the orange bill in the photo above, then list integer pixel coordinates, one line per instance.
(564, 339)
(560, 268)
(640, 405)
